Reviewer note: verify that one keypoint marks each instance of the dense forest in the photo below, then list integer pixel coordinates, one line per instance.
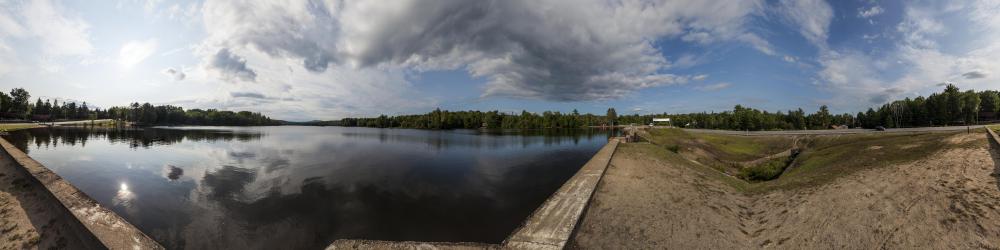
(17, 106)
(950, 107)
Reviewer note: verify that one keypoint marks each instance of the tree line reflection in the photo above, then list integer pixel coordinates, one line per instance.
(133, 137)
(490, 139)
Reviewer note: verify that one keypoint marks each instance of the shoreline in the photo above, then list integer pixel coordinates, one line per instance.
(551, 226)
(65, 215)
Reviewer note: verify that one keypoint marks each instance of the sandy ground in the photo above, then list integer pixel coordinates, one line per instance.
(950, 200)
(27, 220)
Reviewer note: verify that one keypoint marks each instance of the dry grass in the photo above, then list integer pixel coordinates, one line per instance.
(18, 126)
(822, 159)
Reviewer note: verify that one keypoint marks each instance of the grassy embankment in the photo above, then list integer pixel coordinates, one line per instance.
(92, 123)
(16, 126)
(762, 163)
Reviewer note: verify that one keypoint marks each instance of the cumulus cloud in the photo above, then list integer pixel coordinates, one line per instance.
(974, 74)
(551, 50)
(175, 74)
(870, 12)
(231, 66)
(914, 64)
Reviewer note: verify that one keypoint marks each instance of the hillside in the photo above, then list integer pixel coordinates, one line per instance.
(935, 190)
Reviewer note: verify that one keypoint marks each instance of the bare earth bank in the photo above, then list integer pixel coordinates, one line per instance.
(949, 200)
(28, 219)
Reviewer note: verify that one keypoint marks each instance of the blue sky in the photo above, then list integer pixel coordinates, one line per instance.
(304, 60)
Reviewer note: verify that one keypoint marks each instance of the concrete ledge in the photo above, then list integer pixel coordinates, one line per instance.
(548, 227)
(409, 245)
(552, 224)
(111, 230)
(993, 136)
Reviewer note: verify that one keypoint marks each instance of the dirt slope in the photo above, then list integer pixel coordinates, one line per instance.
(27, 218)
(949, 200)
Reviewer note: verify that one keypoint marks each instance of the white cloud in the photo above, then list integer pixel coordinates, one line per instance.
(60, 34)
(920, 62)
(811, 17)
(700, 77)
(56, 33)
(299, 94)
(870, 12)
(790, 59)
(134, 52)
(714, 87)
(593, 49)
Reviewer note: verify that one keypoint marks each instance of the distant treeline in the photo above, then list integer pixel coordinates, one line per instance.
(16, 105)
(950, 107)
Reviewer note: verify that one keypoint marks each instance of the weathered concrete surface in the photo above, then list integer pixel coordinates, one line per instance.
(111, 230)
(412, 245)
(552, 224)
(30, 217)
(549, 227)
(993, 136)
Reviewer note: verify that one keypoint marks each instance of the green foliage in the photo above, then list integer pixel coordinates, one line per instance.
(673, 148)
(17, 105)
(444, 119)
(148, 114)
(770, 170)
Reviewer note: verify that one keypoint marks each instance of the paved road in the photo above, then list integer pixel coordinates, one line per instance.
(837, 131)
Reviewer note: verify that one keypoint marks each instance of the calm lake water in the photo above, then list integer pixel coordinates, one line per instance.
(303, 187)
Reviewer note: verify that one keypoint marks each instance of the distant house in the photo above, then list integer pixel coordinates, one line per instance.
(838, 127)
(41, 117)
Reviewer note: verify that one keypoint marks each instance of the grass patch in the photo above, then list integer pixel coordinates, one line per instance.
(827, 158)
(662, 154)
(13, 127)
(821, 160)
(723, 147)
(768, 170)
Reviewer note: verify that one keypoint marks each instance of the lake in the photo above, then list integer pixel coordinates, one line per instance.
(303, 187)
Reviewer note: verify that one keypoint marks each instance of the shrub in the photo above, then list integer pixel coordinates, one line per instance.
(674, 148)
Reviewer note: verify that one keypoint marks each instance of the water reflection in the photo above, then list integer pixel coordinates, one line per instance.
(124, 197)
(173, 173)
(134, 137)
(303, 187)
